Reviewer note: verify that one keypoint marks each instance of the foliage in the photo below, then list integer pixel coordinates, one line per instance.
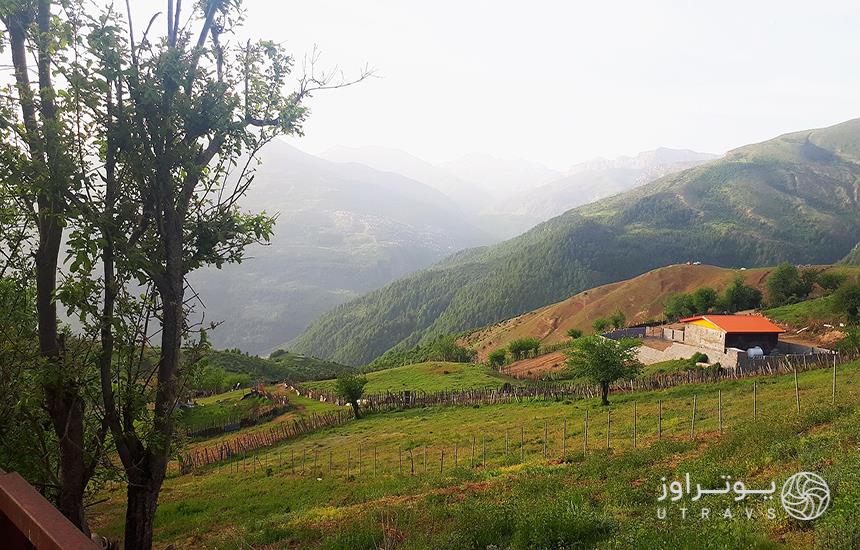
(521, 347)
(601, 325)
(829, 281)
(739, 296)
(497, 357)
(850, 343)
(704, 299)
(617, 319)
(847, 299)
(603, 360)
(679, 306)
(429, 377)
(435, 349)
(574, 333)
(788, 284)
(350, 388)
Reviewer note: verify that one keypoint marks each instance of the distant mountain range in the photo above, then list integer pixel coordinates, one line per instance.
(853, 257)
(507, 197)
(342, 230)
(792, 198)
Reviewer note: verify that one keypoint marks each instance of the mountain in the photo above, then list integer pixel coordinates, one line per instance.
(343, 229)
(853, 257)
(594, 180)
(499, 177)
(641, 299)
(793, 198)
(469, 196)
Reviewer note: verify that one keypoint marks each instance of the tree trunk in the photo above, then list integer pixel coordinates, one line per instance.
(356, 409)
(142, 502)
(62, 400)
(604, 393)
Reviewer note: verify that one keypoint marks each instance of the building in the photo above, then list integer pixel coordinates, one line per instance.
(722, 332)
(725, 339)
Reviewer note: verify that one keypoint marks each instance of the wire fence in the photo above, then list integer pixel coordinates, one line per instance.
(555, 440)
(301, 426)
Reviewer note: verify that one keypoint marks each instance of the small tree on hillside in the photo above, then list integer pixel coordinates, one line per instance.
(848, 300)
(851, 343)
(574, 333)
(704, 299)
(679, 306)
(520, 347)
(350, 388)
(787, 285)
(617, 319)
(830, 281)
(739, 296)
(604, 361)
(497, 357)
(600, 325)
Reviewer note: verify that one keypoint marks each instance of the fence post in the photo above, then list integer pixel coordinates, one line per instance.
(796, 389)
(660, 419)
(456, 456)
(442, 461)
(329, 461)
(755, 399)
(348, 462)
(472, 460)
(506, 443)
(833, 394)
(634, 424)
(522, 444)
(425, 459)
(483, 450)
(316, 461)
(375, 457)
(693, 422)
(564, 439)
(720, 407)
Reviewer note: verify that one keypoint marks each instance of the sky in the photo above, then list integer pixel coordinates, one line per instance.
(563, 82)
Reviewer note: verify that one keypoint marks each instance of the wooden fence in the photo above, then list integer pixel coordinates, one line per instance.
(506, 394)
(281, 405)
(258, 440)
(626, 426)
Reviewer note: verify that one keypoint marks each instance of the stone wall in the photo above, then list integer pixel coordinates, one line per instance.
(649, 356)
(704, 337)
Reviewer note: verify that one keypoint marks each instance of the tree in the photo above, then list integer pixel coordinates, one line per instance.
(497, 357)
(738, 296)
(787, 284)
(178, 122)
(520, 347)
(574, 333)
(679, 306)
(601, 325)
(704, 299)
(350, 388)
(848, 300)
(617, 319)
(446, 348)
(830, 281)
(603, 361)
(43, 156)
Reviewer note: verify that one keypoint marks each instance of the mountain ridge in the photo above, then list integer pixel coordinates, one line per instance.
(794, 198)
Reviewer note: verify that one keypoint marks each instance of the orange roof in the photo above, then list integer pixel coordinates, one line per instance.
(738, 323)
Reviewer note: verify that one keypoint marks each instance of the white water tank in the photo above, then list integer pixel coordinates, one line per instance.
(755, 352)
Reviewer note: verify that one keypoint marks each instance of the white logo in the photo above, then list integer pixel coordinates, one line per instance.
(805, 496)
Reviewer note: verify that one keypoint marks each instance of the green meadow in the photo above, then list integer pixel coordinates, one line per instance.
(364, 485)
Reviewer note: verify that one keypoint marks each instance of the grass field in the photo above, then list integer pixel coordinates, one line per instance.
(221, 408)
(597, 498)
(429, 377)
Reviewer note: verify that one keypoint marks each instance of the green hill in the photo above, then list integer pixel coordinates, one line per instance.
(429, 377)
(281, 365)
(791, 198)
(853, 257)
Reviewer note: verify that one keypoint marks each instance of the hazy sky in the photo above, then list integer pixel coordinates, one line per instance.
(561, 82)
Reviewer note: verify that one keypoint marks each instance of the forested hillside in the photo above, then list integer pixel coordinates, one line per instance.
(853, 257)
(791, 198)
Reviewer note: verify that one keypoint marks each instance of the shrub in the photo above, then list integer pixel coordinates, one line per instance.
(601, 325)
(497, 357)
(521, 346)
(699, 357)
(574, 333)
